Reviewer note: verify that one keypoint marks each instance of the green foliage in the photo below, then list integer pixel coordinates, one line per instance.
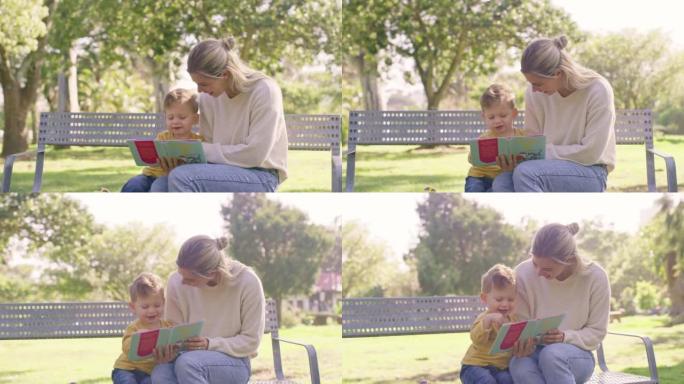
(627, 302)
(312, 93)
(364, 261)
(646, 295)
(21, 24)
(459, 241)
(279, 242)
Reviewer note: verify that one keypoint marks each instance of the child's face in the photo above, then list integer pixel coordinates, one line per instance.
(179, 120)
(149, 309)
(546, 85)
(499, 118)
(501, 300)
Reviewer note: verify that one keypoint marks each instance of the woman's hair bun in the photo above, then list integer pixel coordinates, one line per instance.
(221, 242)
(228, 43)
(573, 228)
(560, 42)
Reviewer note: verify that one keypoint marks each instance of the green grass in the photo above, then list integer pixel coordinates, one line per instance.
(89, 361)
(378, 169)
(436, 358)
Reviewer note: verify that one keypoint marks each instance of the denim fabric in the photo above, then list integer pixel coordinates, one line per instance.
(557, 363)
(478, 184)
(203, 367)
(552, 176)
(472, 374)
(221, 178)
(122, 376)
(142, 183)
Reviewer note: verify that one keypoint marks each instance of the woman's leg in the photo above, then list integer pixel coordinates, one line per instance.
(221, 178)
(211, 367)
(472, 374)
(558, 176)
(140, 183)
(503, 182)
(525, 370)
(503, 376)
(160, 184)
(164, 374)
(566, 364)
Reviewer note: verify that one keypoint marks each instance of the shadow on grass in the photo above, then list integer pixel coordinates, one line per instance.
(104, 379)
(390, 182)
(444, 377)
(85, 180)
(11, 376)
(671, 340)
(666, 374)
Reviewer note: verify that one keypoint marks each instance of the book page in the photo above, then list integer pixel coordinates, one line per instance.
(147, 343)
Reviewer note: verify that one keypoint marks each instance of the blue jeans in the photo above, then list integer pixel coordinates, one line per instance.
(221, 178)
(478, 184)
(142, 183)
(122, 376)
(203, 367)
(557, 363)
(472, 374)
(552, 176)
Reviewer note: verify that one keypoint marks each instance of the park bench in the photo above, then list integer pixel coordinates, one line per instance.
(305, 132)
(109, 319)
(366, 317)
(459, 127)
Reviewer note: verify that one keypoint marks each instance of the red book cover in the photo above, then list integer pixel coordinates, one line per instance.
(513, 334)
(489, 149)
(148, 341)
(147, 151)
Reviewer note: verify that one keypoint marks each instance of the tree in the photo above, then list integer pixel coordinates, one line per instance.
(279, 242)
(459, 241)
(667, 245)
(639, 66)
(364, 263)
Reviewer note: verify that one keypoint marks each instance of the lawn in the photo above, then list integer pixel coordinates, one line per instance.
(378, 169)
(89, 361)
(436, 358)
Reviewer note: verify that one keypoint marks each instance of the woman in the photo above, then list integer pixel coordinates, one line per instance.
(229, 297)
(574, 108)
(242, 119)
(554, 281)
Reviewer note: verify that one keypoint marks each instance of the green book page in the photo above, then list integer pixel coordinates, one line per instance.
(190, 151)
(524, 147)
(183, 332)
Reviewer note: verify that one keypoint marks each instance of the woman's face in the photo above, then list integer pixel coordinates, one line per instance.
(210, 85)
(549, 269)
(546, 85)
(192, 279)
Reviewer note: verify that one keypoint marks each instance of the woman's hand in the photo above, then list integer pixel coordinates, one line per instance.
(553, 336)
(523, 348)
(506, 163)
(165, 354)
(196, 343)
(169, 163)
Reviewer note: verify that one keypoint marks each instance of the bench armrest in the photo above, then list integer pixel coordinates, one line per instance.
(9, 166)
(670, 168)
(650, 354)
(313, 359)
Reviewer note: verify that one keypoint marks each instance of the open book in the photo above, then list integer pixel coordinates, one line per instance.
(509, 333)
(148, 152)
(143, 343)
(484, 151)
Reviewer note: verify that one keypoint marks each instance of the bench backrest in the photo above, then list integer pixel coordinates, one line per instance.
(305, 132)
(364, 317)
(79, 320)
(632, 126)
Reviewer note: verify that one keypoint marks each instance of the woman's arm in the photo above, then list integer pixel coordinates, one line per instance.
(266, 115)
(252, 312)
(591, 335)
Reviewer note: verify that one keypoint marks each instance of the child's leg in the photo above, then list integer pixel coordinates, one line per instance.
(142, 377)
(478, 184)
(472, 374)
(526, 369)
(503, 376)
(140, 183)
(122, 376)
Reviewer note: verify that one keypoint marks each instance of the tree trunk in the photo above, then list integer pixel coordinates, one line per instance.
(368, 75)
(675, 285)
(73, 81)
(279, 307)
(15, 139)
(160, 82)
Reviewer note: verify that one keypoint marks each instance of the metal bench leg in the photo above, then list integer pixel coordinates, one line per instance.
(351, 163)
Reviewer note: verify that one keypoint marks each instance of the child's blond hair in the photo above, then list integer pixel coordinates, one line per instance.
(499, 277)
(182, 96)
(146, 284)
(497, 94)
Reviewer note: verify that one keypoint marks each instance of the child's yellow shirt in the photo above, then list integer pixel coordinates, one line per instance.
(166, 135)
(482, 340)
(143, 365)
(490, 171)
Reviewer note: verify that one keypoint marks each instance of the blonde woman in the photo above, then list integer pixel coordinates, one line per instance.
(229, 297)
(242, 120)
(574, 108)
(556, 280)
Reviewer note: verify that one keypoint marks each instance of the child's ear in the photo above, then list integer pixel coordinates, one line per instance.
(131, 306)
(515, 112)
(483, 297)
(195, 118)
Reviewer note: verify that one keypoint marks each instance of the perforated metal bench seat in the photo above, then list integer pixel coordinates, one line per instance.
(395, 316)
(109, 319)
(632, 126)
(305, 132)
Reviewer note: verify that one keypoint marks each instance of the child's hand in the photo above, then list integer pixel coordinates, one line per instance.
(195, 343)
(169, 163)
(165, 354)
(523, 348)
(492, 319)
(506, 163)
(553, 336)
